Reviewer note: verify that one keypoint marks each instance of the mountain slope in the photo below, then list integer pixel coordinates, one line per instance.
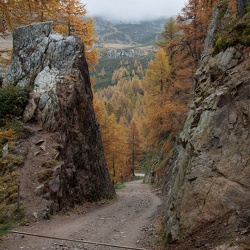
(120, 44)
(143, 33)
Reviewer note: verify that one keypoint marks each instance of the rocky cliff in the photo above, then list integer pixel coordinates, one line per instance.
(55, 71)
(209, 173)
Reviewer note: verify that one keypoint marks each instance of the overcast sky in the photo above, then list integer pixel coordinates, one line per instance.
(133, 10)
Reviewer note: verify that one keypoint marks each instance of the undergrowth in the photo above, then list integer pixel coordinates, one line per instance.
(13, 100)
(119, 185)
(10, 213)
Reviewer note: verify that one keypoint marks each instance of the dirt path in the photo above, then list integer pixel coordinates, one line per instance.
(129, 221)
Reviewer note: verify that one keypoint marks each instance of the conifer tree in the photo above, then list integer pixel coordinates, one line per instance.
(114, 141)
(169, 34)
(134, 147)
(157, 74)
(164, 109)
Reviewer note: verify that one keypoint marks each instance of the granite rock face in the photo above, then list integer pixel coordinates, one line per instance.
(209, 174)
(55, 70)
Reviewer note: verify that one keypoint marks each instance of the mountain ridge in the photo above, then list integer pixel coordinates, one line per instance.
(120, 44)
(144, 32)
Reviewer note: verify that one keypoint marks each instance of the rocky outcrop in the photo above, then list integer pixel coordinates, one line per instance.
(54, 69)
(209, 176)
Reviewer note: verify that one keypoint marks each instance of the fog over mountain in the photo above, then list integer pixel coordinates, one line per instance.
(133, 10)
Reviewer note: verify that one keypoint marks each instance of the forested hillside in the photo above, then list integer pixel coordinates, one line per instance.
(120, 44)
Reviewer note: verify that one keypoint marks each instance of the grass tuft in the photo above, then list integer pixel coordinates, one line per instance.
(119, 185)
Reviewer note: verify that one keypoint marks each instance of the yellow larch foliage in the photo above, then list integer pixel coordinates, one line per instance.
(113, 140)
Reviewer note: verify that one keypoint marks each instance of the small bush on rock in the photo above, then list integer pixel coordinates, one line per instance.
(236, 32)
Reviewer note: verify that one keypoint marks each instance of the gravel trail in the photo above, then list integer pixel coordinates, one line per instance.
(129, 220)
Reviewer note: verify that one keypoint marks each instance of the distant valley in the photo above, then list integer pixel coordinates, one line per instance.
(143, 33)
(122, 43)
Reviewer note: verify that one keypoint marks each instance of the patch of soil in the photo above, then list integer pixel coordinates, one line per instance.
(40, 152)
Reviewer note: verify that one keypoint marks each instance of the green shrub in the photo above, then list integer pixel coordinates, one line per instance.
(12, 123)
(45, 175)
(10, 163)
(8, 196)
(4, 229)
(12, 199)
(13, 100)
(50, 163)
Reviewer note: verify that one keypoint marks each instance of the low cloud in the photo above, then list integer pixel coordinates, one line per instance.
(133, 10)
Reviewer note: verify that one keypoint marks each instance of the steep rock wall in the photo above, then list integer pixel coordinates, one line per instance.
(208, 175)
(54, 68)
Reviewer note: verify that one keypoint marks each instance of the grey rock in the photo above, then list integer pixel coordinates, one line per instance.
(5, 150)
(35, 215)
(29, 110)
(37, 153)
(242, 6)
(40, 190)
(44, 98)
(211, 32)
(40, 142)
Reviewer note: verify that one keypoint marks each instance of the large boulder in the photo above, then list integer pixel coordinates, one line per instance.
(55, 71)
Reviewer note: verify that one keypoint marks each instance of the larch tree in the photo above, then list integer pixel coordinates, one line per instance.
(157, 84)
(134, 147)
(116, 151)
(193, 31)
(169, 34)
(15, 13)
(164, 107)
(113, 140)
(157, 74)
(193, 22)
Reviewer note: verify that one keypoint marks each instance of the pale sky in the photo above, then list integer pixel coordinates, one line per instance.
(133, 10)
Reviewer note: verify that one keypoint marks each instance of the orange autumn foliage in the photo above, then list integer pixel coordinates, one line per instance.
(164, 108)
(134, 147)
(7, 135)
(113, 140)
